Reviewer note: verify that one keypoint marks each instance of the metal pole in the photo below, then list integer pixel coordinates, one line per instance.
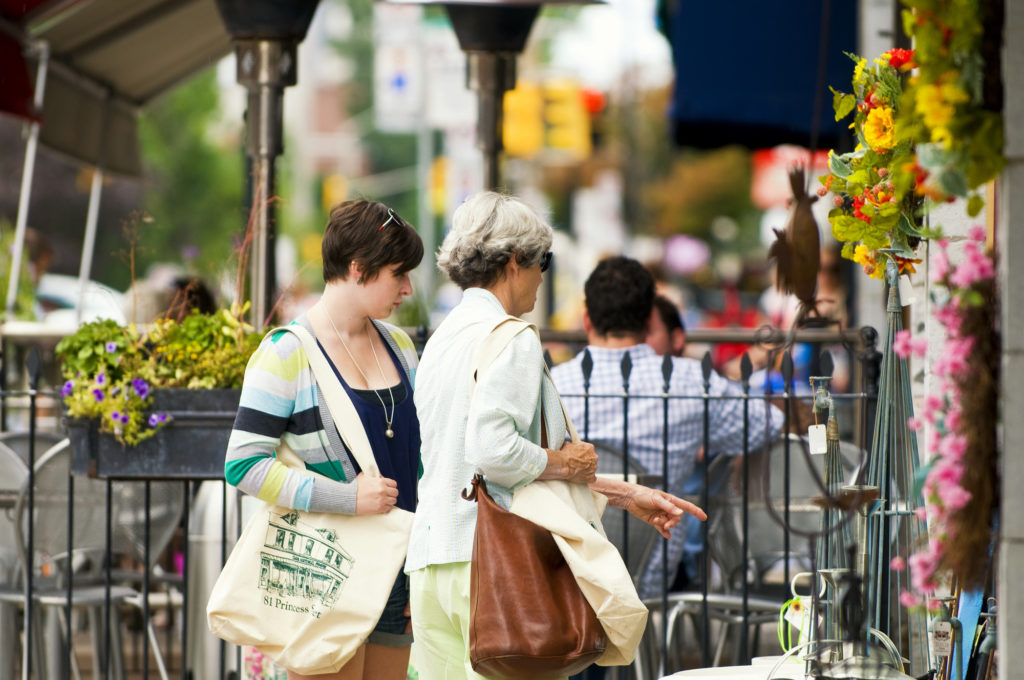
(261, 260)
(425, 217)
(265, 68)
(27, 172)
(490, 75)
(89, 243)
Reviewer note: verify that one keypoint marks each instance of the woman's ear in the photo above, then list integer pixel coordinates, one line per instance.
(512, 267)
(355, 271)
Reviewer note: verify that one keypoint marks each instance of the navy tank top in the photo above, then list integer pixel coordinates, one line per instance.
(397, 457)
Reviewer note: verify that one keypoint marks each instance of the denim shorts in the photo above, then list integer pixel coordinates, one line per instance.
(391, 627)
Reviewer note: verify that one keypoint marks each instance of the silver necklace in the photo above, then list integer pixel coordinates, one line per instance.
(388, 432)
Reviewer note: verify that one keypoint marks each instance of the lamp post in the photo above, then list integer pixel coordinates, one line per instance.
(491, 34)
(266, 34)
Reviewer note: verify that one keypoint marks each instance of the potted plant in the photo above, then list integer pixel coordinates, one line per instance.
(159, 403)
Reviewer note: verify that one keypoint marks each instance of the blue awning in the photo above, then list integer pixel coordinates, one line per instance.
(746, 71)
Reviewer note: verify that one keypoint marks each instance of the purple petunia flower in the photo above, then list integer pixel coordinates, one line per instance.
(69, 386)
(140, 387)
(116, 416)
(111, 347)
(125, 418)
(98, 394)
(101, 378)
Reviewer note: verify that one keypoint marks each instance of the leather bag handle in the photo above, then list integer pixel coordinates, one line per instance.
(497, 339)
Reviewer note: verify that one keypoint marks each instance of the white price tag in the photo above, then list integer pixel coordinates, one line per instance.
(942, 638)
(798, 614)
(816, 439)
(907, 296)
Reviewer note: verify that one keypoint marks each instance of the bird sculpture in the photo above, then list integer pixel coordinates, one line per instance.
(797, 248)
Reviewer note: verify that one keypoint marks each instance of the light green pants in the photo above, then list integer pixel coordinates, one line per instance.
(439, 598)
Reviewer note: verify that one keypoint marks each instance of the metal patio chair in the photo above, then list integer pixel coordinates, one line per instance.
(53, 565)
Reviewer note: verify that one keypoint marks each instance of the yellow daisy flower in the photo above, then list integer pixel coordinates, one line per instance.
(878, 128)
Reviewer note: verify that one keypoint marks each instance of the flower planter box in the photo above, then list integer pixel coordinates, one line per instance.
(191, 446)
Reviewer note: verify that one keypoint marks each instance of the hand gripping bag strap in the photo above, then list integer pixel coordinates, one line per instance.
(571, 513)
(306, 588)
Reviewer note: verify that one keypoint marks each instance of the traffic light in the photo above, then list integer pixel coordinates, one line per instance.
(566, 118)
(333, 190)
(523, 127)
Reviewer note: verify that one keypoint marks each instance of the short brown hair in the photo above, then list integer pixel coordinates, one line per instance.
(371, 234)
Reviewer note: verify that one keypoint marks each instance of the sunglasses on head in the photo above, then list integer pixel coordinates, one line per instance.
(545, 261)
(391, 216)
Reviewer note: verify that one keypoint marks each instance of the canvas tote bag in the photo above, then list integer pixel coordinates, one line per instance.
(307, 588)
(572, 513)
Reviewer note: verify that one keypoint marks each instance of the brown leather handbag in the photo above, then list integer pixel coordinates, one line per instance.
(528, 618)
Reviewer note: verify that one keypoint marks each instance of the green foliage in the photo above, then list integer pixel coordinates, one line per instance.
(696, 189)
(111, 370)
(194, 183)
(24, 301)
(872, 194)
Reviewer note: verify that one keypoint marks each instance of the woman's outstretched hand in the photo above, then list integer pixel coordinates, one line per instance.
(661, 510)
(375, 495)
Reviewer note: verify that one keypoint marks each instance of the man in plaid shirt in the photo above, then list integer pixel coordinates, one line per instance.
(619, 299)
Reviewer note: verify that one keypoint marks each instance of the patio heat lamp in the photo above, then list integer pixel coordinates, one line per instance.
(491, 34)
(266, 35)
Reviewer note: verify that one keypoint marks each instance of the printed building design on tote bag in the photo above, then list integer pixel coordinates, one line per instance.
(303, 569)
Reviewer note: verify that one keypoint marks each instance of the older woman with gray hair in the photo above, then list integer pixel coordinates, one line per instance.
(497, 251)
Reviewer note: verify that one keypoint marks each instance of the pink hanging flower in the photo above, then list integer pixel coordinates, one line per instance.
(901, 344)
(914, 424)
(946, 471)
(922, 571)
(940, 265)
(975, 267)
(909, 599)
(953, 496)
(898, 563)
(953, 419)
(949, 315)
(977, 233)
(932, 405)
(953, 446)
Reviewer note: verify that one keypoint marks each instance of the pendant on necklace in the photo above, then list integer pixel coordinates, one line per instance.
(389, 433)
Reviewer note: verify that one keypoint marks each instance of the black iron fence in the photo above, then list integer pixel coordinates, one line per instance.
(110, 558)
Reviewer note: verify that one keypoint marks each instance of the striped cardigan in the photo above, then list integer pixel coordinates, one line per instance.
(281, 401)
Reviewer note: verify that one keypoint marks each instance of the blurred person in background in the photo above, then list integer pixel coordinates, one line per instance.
(666, 334)
(619, 301)
(190, 294)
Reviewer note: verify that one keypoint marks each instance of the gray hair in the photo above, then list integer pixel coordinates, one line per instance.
(487, 230)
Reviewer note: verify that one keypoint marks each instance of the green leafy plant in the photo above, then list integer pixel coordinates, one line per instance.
(928, 128)
(111, 370)
(874, 211)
